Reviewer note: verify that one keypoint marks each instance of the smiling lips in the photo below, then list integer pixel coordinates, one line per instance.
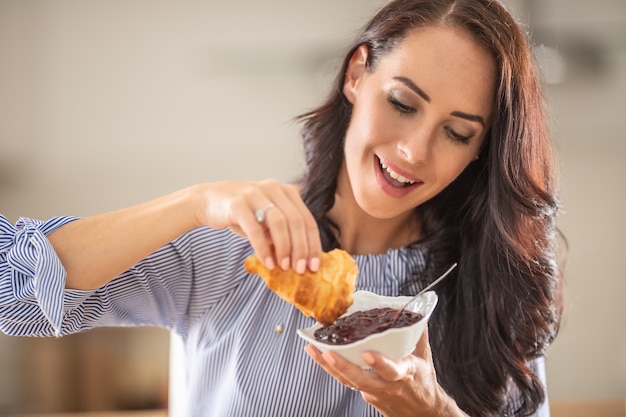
(395, 179)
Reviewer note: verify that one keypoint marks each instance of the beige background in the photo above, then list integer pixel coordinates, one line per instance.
(104, 104)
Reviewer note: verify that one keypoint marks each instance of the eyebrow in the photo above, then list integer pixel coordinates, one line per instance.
(413, 87)
(410, 84)
(470, 117)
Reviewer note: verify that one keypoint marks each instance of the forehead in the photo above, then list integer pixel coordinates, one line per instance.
(448, 64)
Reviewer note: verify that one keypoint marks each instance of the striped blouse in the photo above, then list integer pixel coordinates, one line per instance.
(238, 364)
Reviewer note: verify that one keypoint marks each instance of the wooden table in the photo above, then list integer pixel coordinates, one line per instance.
(577, 408)
(591, 408)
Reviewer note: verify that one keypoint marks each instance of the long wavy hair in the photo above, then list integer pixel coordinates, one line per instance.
(502, 308)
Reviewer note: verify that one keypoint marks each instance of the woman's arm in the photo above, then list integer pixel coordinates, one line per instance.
(96, 249)
(39, 259)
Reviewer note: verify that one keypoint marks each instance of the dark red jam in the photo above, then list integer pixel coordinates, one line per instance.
(361, 324)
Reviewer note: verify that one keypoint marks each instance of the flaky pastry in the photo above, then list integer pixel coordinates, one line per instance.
(325, 294)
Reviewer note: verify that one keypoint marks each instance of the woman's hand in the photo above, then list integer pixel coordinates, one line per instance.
(408, 387)
(287, 236)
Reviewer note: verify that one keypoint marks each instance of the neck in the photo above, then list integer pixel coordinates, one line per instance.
(362, 234)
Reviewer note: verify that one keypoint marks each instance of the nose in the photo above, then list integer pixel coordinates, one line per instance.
(417, 144)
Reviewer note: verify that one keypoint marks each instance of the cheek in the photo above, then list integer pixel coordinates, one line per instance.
(351, 146)
(450, 168)
(357, 135)
(453, 159)
(368, 126)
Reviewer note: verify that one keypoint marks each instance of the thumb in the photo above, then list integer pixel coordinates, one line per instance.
(422, 349)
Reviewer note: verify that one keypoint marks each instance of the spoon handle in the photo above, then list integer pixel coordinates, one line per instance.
(426, 288)
(432, 284)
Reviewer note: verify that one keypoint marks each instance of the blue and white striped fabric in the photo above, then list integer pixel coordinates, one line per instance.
(237, 364)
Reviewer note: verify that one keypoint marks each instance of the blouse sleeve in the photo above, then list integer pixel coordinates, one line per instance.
(34, 301)
(32, 278)
(539, 367)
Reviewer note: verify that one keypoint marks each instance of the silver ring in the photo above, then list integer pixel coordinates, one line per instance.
(260, 213)
(353, 388)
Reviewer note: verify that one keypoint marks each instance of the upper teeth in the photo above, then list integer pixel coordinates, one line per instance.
(396, 176)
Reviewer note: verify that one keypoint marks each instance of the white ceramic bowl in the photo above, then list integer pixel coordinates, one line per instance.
(395, 343)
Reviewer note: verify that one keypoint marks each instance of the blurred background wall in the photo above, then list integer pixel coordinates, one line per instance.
(104, 104)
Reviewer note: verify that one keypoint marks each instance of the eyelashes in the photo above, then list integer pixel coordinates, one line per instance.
(457, 137)
(406, 111)
(402, 108)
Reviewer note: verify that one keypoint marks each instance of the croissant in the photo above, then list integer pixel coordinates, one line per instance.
(325, 294)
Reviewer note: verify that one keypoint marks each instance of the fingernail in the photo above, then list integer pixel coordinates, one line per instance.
(368, 358)
(269, 262)
(301, 266)
(314, 264)
(284, 264)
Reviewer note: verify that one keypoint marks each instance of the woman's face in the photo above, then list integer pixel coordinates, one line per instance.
(418, 119)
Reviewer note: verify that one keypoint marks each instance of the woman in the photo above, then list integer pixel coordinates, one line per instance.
(432, 148)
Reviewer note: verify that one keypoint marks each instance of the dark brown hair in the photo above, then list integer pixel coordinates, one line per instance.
(502, 309)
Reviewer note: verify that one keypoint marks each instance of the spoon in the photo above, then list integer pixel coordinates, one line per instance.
(426, 288)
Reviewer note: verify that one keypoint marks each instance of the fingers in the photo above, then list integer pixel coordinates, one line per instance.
(307, 230)
(384, 369)
(244, 222)
(280, 227)
(318, 357)
(292, 228)
(414, 366)
(343, 371)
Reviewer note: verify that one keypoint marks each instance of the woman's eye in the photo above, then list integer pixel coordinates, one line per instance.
(400, 107)
(457, 137)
